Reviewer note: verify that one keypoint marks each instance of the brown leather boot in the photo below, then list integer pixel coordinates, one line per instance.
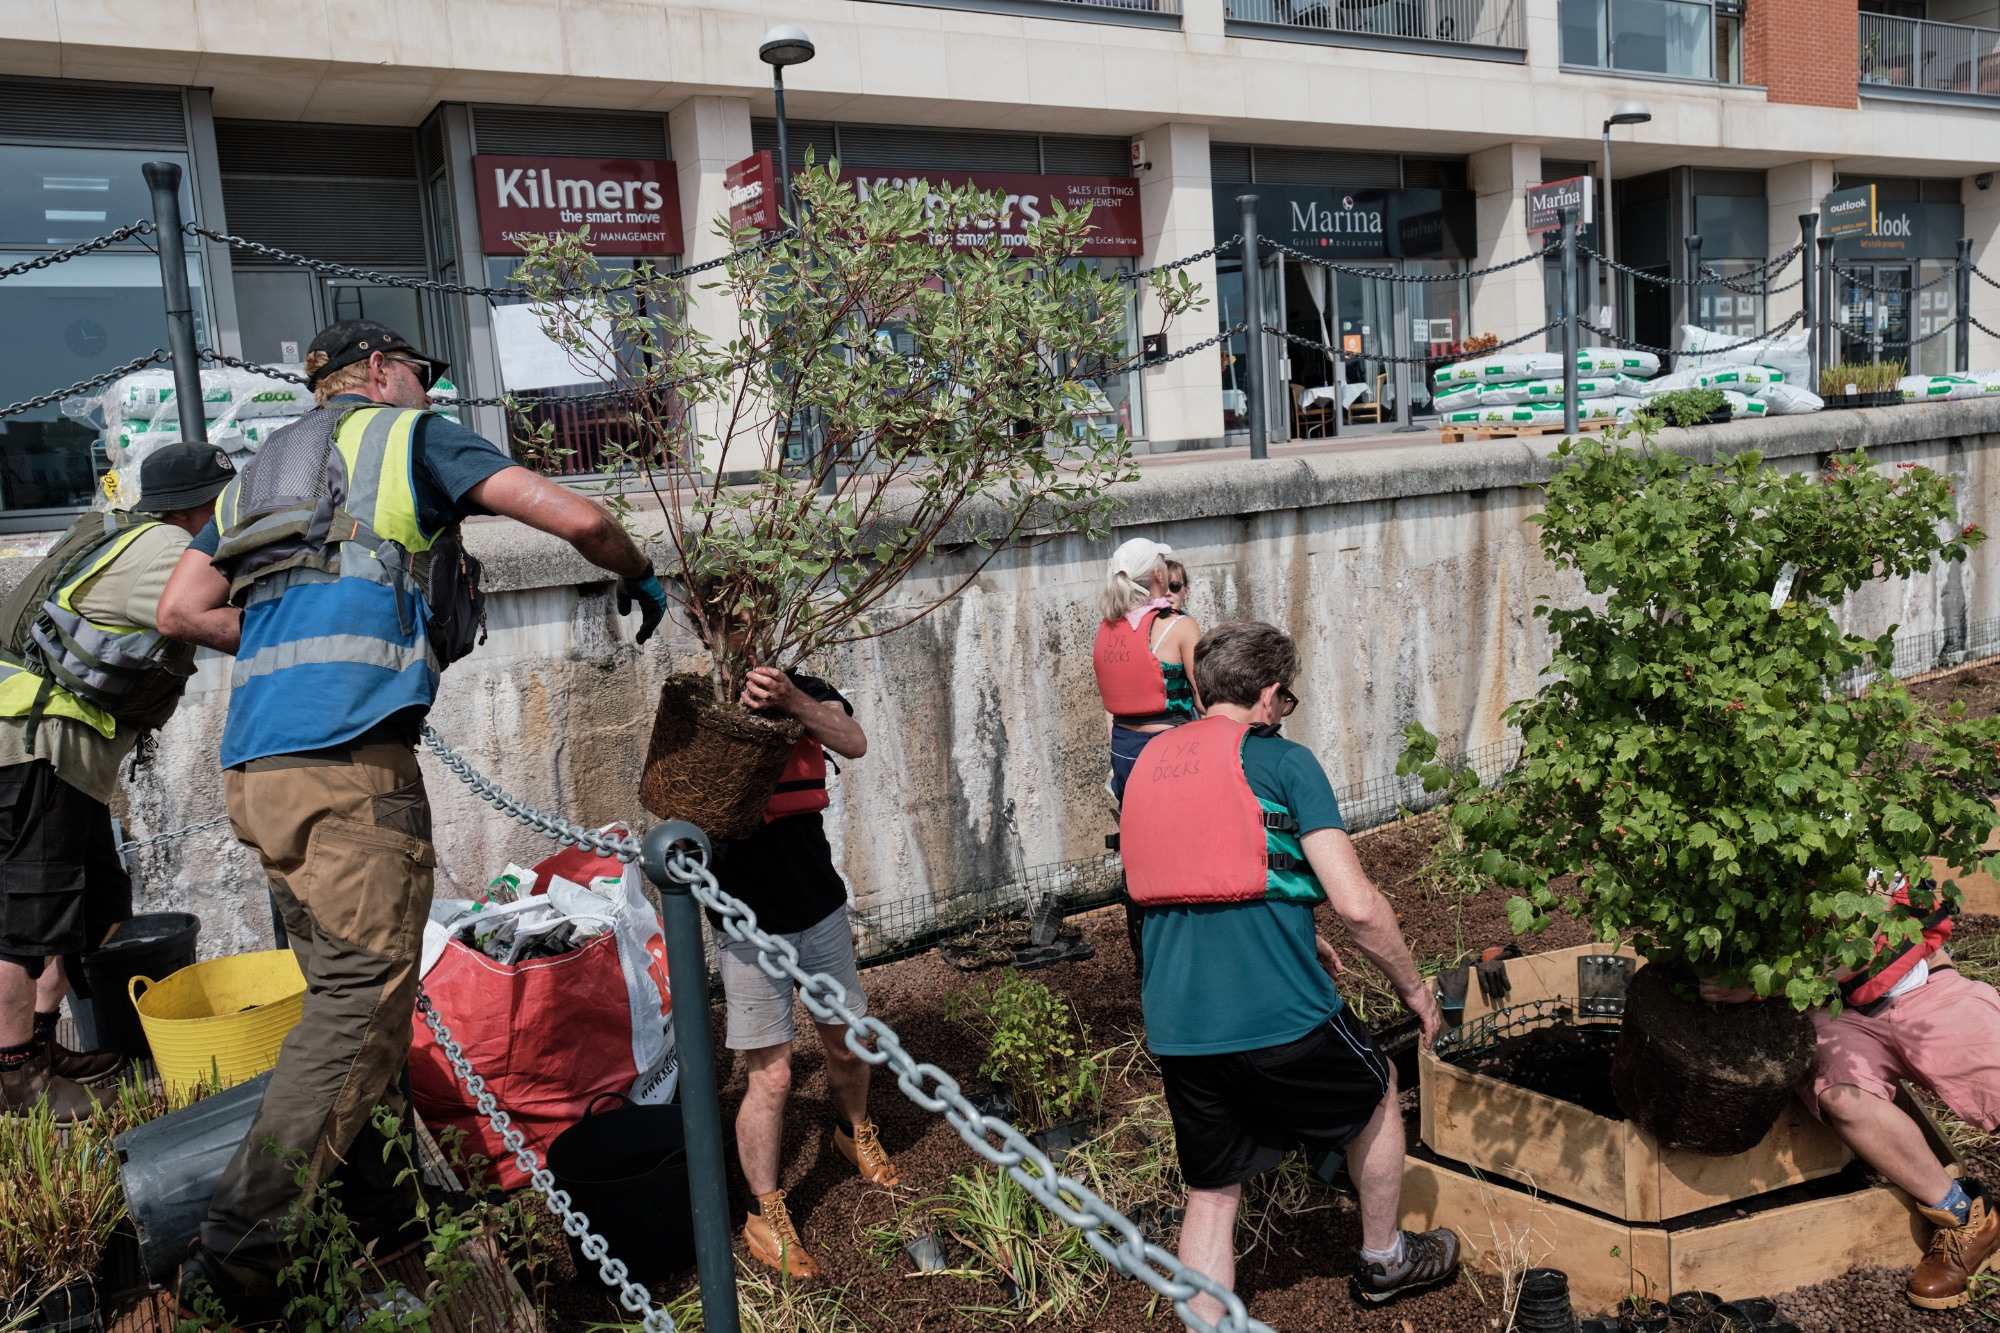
(861, 1145)
(773, 1241)
(1958, 1253)
(36, 1084)
(88, 1067)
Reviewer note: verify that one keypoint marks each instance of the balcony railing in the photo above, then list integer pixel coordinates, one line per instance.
(1473, 22)
(1930, 57)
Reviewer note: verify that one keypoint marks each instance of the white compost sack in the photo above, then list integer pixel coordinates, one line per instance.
(1785, 354)
(1523, 414)
(1680, 379)
(1459, 400)
(1743, 405)
(1743, 379)
(1790, 399)
(1624, 360)
(1939, 388)
(1551, 391)
(1499, 369)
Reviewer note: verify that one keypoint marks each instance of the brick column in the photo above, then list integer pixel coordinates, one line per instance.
(1176, 200)
(1510, 303)
(1803, 51)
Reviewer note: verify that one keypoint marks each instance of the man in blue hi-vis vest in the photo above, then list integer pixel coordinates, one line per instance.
(340, 542)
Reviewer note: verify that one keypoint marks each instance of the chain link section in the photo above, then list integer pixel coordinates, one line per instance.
(1708, 276)
(158, 354)
(1192, 348)
(1981, 327)
(1383, 276)
(1853, 281)
(612, 1272)
(140, 844)
(138, 228)
(1195, 258)
(1334, 353)
(1614, 339)
(877, 1043)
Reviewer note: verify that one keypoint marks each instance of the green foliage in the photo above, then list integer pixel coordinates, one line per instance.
(1865, 376)
(1035, 1044)
(1693, 759)
(1009, 1235)
(1685, 407)
(946, 392)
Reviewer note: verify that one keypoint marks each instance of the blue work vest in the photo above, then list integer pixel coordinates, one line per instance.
(335, 625)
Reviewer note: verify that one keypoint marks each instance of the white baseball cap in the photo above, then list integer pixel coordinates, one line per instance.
(1136, 558)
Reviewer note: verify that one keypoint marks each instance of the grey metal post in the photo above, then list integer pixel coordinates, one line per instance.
(1693, 289)
(1569, 319)
(1828, 353)
(164, 178)
(1962, 297)
(701, 1117)
(1403, 347)
(1253, 334)
(1808, 304)
(784, 146)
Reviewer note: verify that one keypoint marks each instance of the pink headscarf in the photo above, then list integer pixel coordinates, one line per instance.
(1138, 613)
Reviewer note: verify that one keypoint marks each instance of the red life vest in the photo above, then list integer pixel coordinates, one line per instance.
(802, 786)
(1865, 988)
(1192, 830)
(1129, 677)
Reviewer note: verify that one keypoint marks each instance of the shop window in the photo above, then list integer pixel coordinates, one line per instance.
(73, 320)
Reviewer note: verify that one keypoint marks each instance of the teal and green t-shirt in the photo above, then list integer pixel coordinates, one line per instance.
(1242, 976)
(1180, 690)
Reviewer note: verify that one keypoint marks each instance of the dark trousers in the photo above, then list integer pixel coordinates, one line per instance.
(345, 838)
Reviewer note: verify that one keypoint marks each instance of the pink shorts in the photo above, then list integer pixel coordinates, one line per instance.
(1944, 1035)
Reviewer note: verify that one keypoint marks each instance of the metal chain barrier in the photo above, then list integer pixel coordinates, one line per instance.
(138, 228)
(85, 386)
(1765, 336)
(1192, 348)
(1708, 276)
(611, 1271)
(140, 844)
(1337, 354)
(1983, 276)
(1852, 281)
(877, 1043)
(1981, 327)
(1194, 258)
(1544, 253)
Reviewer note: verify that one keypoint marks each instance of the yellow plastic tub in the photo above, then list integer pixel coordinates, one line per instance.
(223, 1019)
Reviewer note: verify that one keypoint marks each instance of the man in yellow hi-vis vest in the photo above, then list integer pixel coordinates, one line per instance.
(84, 673)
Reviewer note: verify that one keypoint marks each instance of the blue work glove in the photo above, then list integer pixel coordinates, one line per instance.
(651, 597)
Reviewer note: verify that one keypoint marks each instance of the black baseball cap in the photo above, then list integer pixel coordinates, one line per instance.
(183, 476)
(354, 340)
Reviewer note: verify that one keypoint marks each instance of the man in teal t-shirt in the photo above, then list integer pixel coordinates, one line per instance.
(1255, 1047)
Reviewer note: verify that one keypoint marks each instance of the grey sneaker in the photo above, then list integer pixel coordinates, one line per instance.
(1429, 1258)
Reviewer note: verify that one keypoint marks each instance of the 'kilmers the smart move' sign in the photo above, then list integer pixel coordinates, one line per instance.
(1357, 224)
(1115, 226)
(631, 205)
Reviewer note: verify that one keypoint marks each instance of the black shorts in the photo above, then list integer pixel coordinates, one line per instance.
(61, 885)
(1236, 1115)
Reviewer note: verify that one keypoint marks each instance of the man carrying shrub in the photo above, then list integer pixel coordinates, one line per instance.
(784, 872)
(1912, 1015)
(1257, 1051)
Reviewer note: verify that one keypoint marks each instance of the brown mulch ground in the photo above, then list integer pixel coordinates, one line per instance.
(1977, 687)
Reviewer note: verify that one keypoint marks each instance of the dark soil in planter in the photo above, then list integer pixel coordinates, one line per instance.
(1978, 688)
(712, 765)
(1561, 1061)
(1880, 398)
(1703, 1077)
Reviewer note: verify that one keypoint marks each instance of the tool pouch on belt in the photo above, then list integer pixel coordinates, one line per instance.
(450, 578)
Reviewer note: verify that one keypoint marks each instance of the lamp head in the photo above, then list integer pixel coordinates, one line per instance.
(1631, 111)
(786, 44)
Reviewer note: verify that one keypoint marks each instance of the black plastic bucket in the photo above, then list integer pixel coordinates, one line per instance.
(155, 945)
(170, 1166)
(626, 1170)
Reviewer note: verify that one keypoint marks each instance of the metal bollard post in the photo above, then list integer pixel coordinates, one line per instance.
(1808, 305)
(1693, 289)
(1569, 340)
(1829, 353)
(1253, 335)
(164, 178)
(701, 1117)
(1962, 297)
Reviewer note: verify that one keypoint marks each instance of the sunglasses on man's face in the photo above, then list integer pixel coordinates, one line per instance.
(425, 372)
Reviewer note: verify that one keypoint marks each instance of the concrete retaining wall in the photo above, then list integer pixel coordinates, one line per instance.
(1408, 575)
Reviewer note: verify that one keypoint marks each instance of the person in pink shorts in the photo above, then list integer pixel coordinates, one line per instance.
(1916, 1017)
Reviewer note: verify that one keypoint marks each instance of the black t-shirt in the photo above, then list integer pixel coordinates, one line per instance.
(784, 871)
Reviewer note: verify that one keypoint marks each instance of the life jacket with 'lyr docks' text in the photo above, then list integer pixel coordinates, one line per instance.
(1865, 988)
(802, 786)
(1193, 832)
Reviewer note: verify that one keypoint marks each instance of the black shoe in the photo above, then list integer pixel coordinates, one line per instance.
(1429, 1258)
(208, 1291)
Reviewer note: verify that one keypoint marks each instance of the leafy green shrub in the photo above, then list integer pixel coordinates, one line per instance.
(1685, 407)
(1695, 760)
(1035, 1044)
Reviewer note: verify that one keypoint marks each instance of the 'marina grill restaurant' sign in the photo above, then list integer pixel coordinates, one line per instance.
(631, 205)
(1357, 224)
(1115, 228)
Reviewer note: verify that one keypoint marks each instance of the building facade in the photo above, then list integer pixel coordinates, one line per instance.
(1395, 136)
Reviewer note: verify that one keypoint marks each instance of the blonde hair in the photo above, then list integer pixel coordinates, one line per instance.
(1122, 594)
(347, 379)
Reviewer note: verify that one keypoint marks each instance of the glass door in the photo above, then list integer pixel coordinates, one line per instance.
(1874, 310)
(1367, 306)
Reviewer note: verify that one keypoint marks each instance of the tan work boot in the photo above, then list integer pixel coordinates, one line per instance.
(1958, 1253)
(773, 1241)
(36, 1083)
(862, 1146)
(88, 1067)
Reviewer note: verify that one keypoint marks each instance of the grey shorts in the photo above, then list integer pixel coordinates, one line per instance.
(760, 1005)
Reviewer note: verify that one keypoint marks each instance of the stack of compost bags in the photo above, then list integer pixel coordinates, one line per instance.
(139, 413)
(1526, 388)
(1762, 377)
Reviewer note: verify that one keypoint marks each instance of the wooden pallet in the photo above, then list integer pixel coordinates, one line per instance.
(1459, 434)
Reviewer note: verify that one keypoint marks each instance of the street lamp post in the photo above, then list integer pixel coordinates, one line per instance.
(786, 44)
(1629, 112)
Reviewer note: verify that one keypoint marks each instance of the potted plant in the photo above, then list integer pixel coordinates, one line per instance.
(1861, 384)
(1688, 407)
(891, 389)
(1698, 763)
(60, 1198)
(1038, 1050)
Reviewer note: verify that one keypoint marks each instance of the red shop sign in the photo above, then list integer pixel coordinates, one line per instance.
(632, 205)
(752, 190)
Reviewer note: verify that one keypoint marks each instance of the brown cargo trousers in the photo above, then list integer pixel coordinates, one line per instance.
(345, 837)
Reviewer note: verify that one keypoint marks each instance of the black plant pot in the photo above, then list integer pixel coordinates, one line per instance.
(1545, 1305)
(1721, 416)
(1873, 398)
(1639, 1315)
(1063, 1136)
(71, 1308)
(1750, 1314)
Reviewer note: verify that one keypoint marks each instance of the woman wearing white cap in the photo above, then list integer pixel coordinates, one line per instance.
(1143, 650)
